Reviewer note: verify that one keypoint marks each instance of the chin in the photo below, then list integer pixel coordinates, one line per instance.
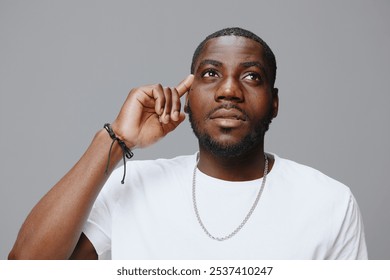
(230, 149)
(228, 146)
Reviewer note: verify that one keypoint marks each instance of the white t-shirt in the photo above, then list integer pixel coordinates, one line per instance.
(302, 214)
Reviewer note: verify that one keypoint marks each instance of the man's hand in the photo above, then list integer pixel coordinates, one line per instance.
(149, 113)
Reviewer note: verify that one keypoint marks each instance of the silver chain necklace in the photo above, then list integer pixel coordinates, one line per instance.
(241, 225)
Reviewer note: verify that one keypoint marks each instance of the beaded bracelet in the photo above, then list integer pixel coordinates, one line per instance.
(127, 153)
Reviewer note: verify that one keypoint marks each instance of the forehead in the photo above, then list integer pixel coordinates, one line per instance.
(231, 50)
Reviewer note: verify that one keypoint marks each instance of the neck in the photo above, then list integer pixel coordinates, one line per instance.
(249, 166)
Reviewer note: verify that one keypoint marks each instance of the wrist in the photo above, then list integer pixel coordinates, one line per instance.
(104, 140)
(120, 135)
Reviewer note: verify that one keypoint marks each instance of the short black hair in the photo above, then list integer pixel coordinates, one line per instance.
(237, 31)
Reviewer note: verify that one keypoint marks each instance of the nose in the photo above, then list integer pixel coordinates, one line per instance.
(229, 90)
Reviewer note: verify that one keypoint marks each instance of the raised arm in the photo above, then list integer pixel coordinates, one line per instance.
(52, 230)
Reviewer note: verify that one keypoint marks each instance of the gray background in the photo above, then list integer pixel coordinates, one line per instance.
(67, 66)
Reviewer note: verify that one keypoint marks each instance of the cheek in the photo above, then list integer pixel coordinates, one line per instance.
(202, 98)
(198, 98)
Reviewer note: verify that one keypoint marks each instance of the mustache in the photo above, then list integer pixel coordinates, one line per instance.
(227, 106)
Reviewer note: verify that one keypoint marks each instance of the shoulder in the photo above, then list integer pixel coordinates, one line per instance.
(323, 204)
(148, 173)
(171, 162)
(308, 180)
(166, 166)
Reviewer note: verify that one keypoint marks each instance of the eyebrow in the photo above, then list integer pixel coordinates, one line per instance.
(213, 62)
(256, 64)
(253, 63)
(243, 64)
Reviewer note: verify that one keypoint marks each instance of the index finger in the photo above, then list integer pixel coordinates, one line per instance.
(185, 85)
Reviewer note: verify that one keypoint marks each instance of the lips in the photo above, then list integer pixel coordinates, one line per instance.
(227, 118)
(229, 114)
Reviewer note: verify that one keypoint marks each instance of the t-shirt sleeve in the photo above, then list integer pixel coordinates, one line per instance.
(98, 227)
(350, 242)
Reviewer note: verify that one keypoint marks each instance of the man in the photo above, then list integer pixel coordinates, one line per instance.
(231, 200)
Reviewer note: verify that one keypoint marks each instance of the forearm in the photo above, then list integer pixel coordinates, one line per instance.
(53, 227)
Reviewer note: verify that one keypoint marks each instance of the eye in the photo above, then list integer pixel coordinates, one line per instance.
(253, 77)
(210, 73)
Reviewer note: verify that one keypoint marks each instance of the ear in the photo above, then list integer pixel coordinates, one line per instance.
(275, 102)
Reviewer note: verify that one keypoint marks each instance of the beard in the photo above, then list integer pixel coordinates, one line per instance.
(246, 145)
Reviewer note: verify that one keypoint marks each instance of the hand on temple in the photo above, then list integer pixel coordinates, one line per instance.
(149, 113)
